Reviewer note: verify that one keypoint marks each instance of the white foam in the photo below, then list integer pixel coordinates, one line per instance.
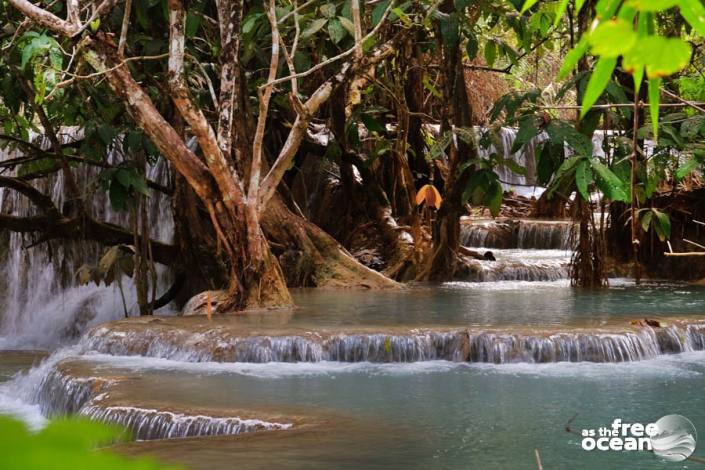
(689, 364)
(13, 406)
(508, 285)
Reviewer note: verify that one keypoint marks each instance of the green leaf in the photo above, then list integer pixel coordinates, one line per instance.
(336, 30)
(654, 102)
(661, 56)
(606, 8)
(490, 53)
(694, 13)
(327, 10)
(687, 168)
(193, 22)
(646, 220)
(378, 12)
(527, 5)
(608, 182)
(313, 27)
(372, 124)
(663, 228)
(612, 38)
(528, 129)
(583, 178)
(493, 197)
(514, 166)
(560, 11)
(599, 78)
(573, 57)
(118, 196)
(562, 131)
(652, 5)
(348, 25)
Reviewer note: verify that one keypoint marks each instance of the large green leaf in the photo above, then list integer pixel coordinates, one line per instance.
(562, 6)
(563, 131)
(527, 5)
(313, 27)
(612, 38)
(599, 78)
(606, 8)
(573, 57)
(694, 13)
(687, 168)
(336, 31)
(652, 5)
(583, 178)
(661, 56)
(608, 182)
(646, 220)
(528, 129)
(654, 103)
(663, 227)
(493, 197)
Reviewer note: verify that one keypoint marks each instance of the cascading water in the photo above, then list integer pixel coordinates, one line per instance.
(41, 304)
(524, 250)
(525, 158)
(521, 234)
(461, 345)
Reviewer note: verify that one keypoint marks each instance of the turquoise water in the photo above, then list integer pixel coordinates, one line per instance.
(496, 303)
(431, 415)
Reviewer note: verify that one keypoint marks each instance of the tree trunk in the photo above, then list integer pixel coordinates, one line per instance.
(456, 113)
(324, 262)
(256, 279)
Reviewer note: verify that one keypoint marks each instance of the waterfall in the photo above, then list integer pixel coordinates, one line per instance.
(41, 304)
(60, 392)
(219, 345)
(525, 158)
(514, 270)
(147, 424)
(545, 235)
(523, 234)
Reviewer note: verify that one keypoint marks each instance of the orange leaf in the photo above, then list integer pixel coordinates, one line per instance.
(429, 194)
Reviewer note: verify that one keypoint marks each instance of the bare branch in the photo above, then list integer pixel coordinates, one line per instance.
(225, 176)
(264, 97)
(296, 134)
(103, 59)
(336, 58)
(355, 7)
(125, 27)
(47, 19)
(39, 199)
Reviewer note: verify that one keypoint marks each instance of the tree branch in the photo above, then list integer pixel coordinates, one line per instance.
(225, 176)
(39, 199)
(103, 58)
(336, 58)
(296, 134)
(56, 24)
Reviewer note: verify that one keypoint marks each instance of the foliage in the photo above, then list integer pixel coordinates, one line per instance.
(64, 444)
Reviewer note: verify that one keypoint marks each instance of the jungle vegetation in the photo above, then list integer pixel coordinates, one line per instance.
(257, 106)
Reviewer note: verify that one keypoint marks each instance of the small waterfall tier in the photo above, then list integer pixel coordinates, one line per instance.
(521, 234)
(65, 391)
(224, 344)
